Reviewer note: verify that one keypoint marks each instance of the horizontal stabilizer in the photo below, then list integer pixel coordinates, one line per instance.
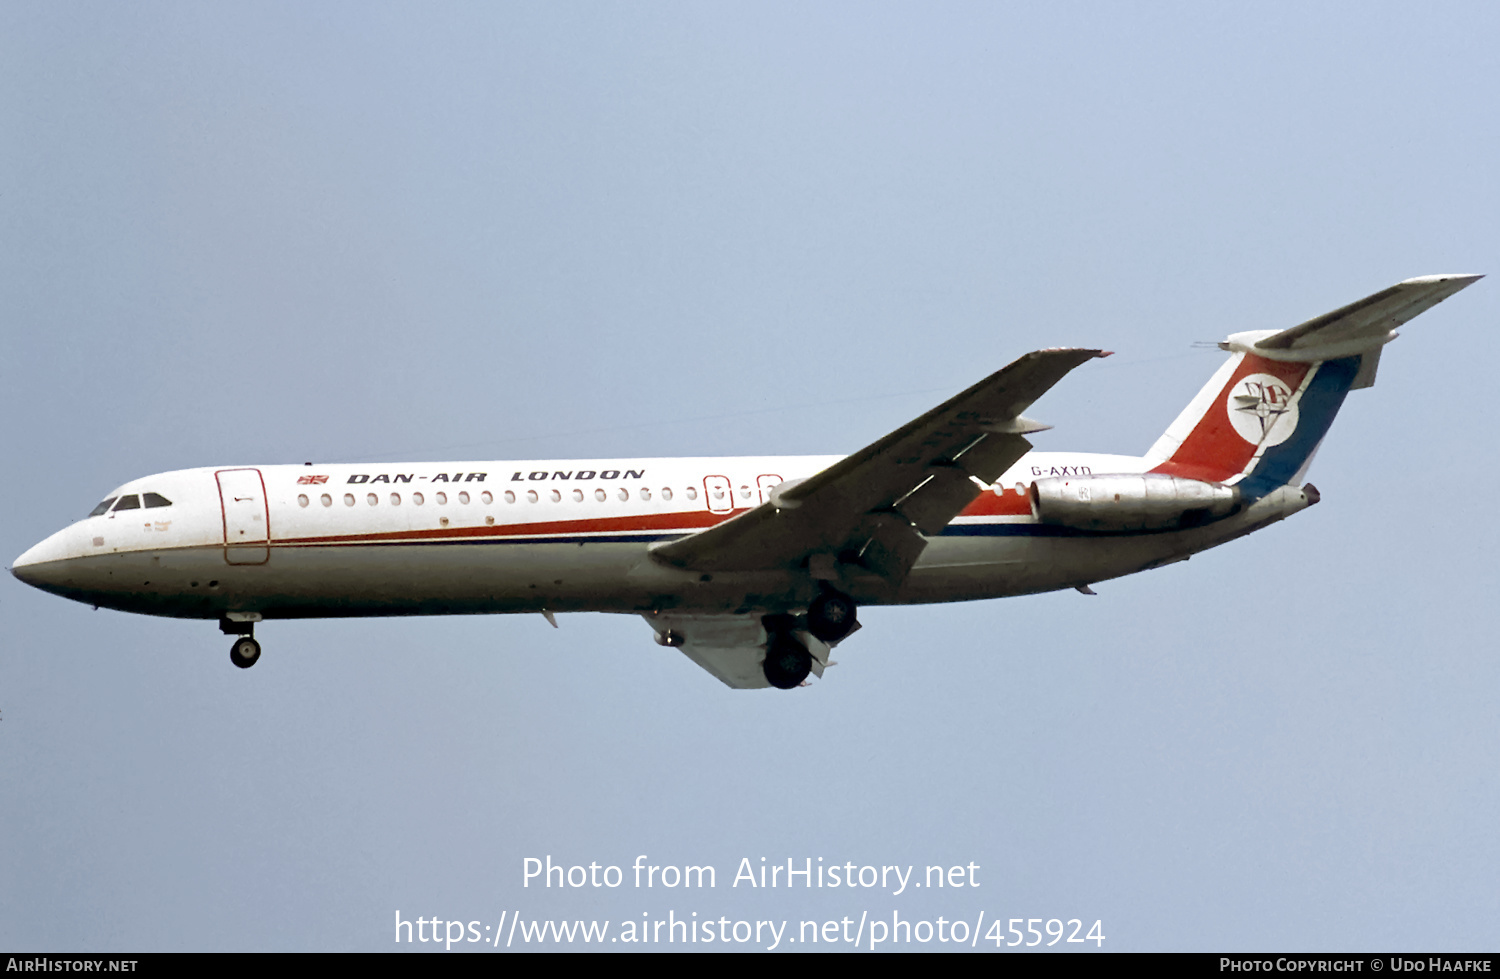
(1357, 328)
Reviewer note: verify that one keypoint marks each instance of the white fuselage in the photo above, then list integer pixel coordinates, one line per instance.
(557, 536)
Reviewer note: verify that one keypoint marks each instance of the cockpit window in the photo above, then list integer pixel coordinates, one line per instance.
(155, 500)
(101, 507)
(128, 503)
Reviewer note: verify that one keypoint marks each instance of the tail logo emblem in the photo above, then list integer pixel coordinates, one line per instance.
(1262, 410)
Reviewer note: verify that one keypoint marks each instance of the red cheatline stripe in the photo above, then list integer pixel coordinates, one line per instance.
(1213, 450)
(658, 522)
(1008, 504)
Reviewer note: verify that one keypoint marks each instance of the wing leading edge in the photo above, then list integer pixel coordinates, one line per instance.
(874, 510)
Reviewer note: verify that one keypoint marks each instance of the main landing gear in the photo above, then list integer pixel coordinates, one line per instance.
(830, 617)
(787, 661)
(245, 650)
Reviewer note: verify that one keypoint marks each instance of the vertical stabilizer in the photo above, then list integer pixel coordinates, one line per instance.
(1256, 416)
(1261, 416)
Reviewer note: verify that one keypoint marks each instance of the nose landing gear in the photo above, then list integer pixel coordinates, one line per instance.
(244, 652)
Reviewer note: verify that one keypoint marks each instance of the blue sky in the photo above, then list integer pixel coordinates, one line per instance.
(271, 233)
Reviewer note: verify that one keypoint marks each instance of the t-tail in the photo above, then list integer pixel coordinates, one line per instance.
(1260, 419)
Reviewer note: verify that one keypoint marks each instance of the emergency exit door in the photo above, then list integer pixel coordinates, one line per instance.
(718, 494)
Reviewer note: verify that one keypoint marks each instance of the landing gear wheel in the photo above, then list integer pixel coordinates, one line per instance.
(787, 662)
(244, 652)
(830, 616)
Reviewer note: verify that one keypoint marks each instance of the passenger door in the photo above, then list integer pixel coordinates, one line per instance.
(247, 518)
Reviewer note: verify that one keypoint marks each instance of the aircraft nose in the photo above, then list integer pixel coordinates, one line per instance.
(41, 565)
(19, 569)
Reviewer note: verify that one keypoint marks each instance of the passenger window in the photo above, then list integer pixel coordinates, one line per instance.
(624, 495)
(531, 496)
(744, 492)
(327, 500)
(463, 498)
(692, 493)
(128, 503)
(666, 494)
(417, 499)
(302, 499)
(645, 494)
(372, 499)
(348, 499)
(442, 499)
(556, 496)
(102, 508)
(487, 497)
(155, 500)
(395, 499)
(510, 497)
(599, 495)
(578, 496)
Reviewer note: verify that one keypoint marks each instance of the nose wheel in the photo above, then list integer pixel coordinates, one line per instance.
(244, 652)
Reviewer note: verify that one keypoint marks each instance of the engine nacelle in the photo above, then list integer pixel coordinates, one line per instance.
(1131, 502)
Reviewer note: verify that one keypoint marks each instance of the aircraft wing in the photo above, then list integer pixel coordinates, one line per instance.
(873, 508)
(731, 647)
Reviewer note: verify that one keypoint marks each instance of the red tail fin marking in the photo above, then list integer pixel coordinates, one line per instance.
(1214, 450)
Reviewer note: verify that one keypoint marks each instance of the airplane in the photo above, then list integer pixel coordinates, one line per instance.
(754, 567)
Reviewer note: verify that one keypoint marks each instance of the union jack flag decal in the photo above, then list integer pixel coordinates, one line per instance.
(311, 480)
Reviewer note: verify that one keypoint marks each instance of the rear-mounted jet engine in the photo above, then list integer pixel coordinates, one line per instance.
(1124, 503)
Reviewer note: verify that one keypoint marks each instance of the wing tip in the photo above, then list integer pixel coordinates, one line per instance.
(1087, 352)
(1461, 279)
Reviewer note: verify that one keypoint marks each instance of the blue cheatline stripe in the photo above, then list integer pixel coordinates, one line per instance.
(1316, 409)
(644, 538)
(1025, 530)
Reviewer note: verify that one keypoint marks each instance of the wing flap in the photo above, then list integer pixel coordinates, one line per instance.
(889, 545)
(945, 492)
(730, 647)
(988, 460)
